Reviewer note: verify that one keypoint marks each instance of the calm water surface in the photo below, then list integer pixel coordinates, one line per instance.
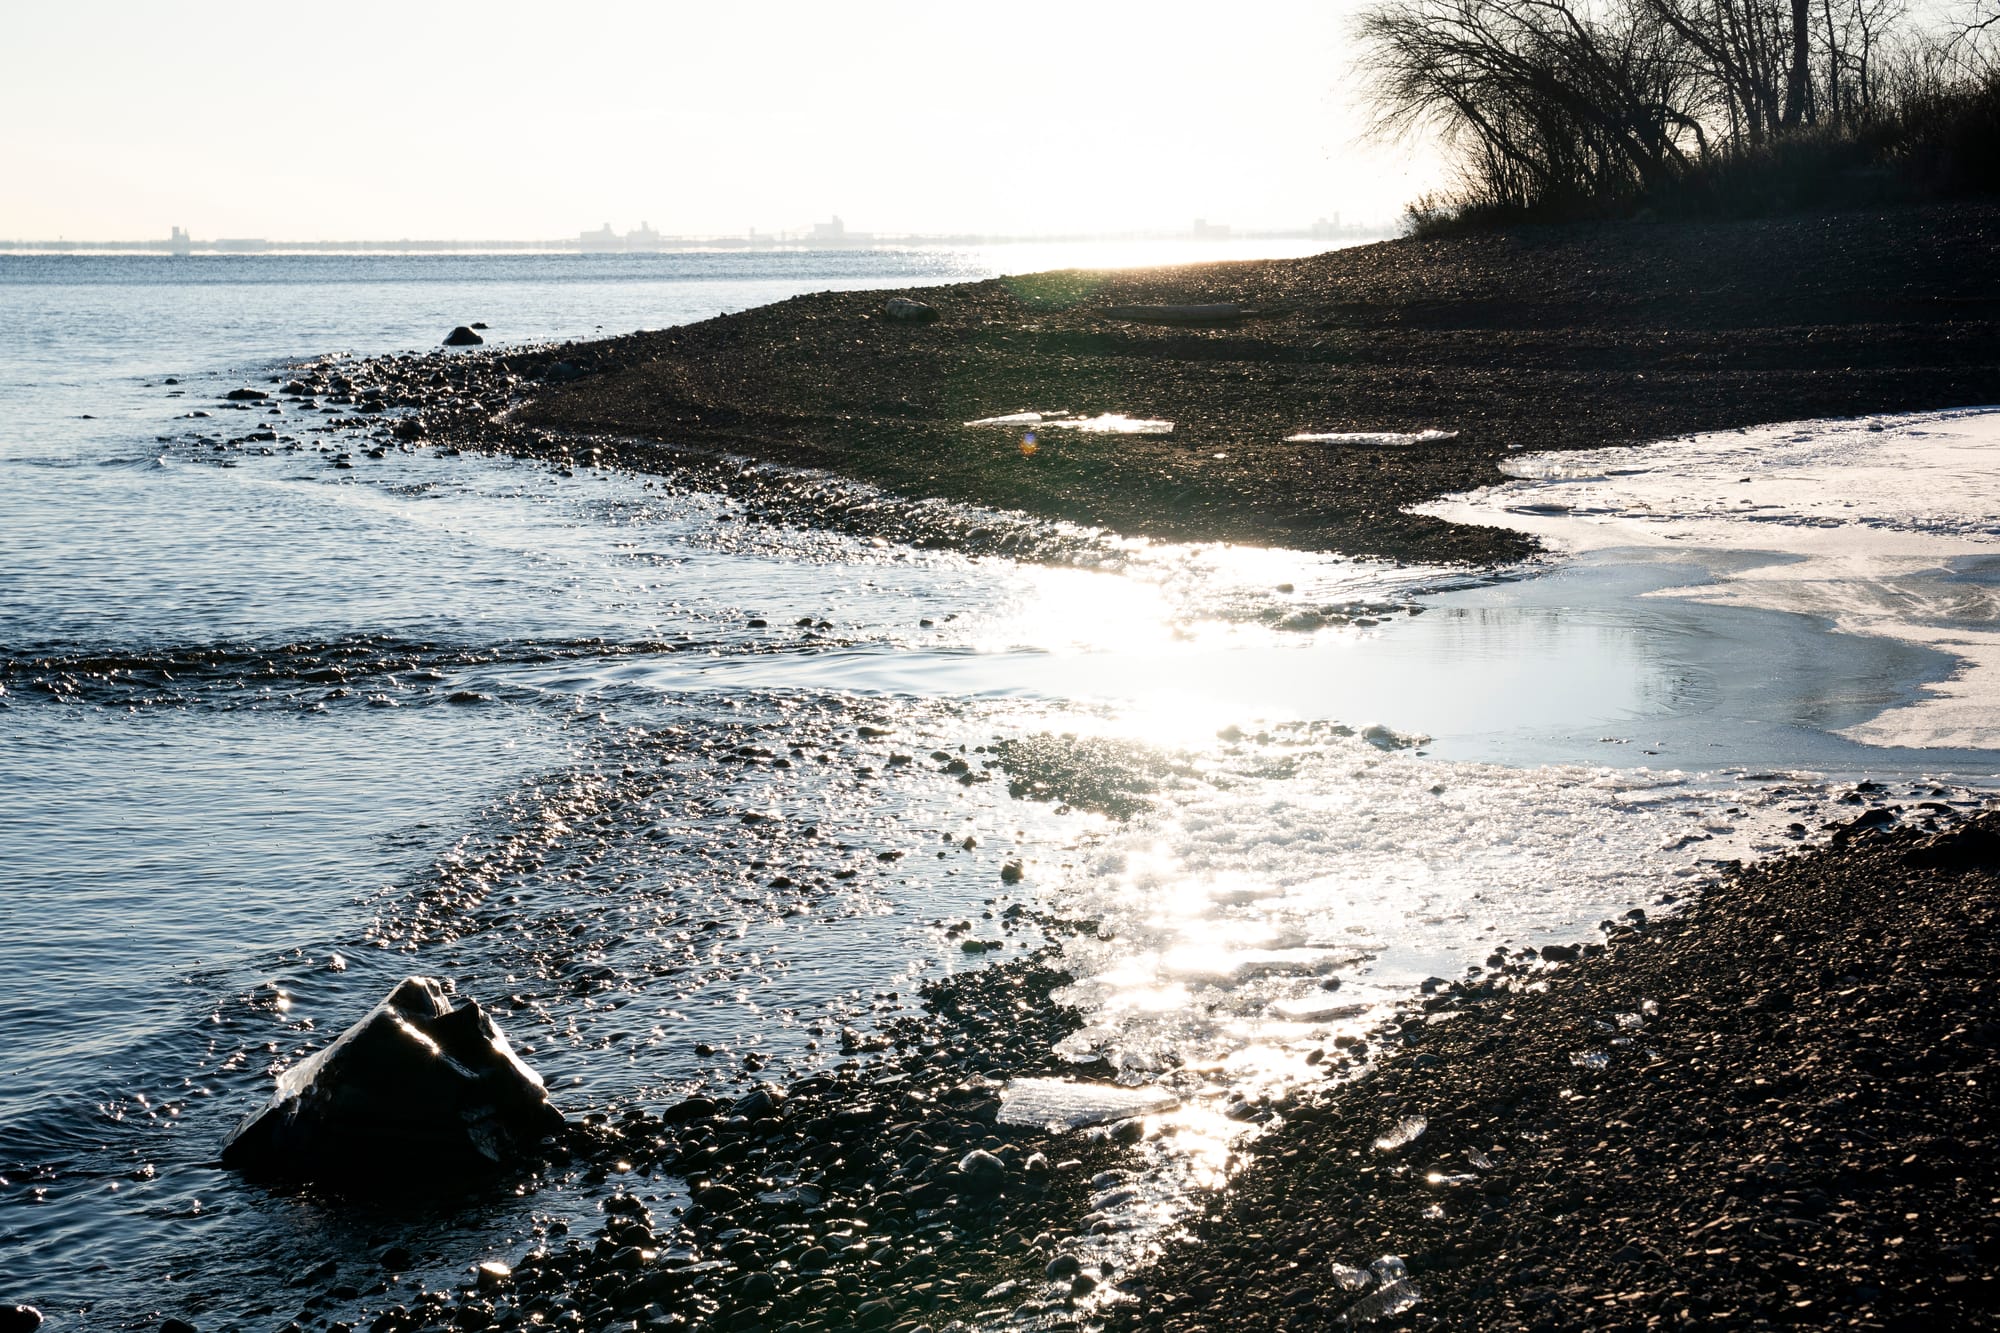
(274, 735)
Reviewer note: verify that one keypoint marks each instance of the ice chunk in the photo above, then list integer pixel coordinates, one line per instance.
(1058, 1104)
(1403, 1133)
(1373, 439)
(1389, 1268)
(1391, 1300)
(1116, 423)
(1349, 1278)
(1321, 1008)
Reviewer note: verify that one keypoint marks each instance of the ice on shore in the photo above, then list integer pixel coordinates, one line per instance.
(1115, 423)
(1377, 439)
(1106, 423)
(1057, 1104)
(1885, 525)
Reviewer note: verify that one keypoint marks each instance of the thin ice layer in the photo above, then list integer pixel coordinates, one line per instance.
(1060, 1104)
(1883, 525)
(1286, 898)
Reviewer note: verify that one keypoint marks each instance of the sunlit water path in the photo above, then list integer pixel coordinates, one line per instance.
(274, 735)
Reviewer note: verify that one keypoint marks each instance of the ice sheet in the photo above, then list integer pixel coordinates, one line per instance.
(1882, 525)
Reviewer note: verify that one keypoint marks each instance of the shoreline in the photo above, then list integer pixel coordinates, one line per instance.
(1549, 338)
(597, 403)
(1772, 1107)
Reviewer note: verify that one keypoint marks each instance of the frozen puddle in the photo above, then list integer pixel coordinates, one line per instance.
(1885, 526)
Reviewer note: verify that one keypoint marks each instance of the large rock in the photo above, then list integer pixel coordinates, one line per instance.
(416, 1086)
(462, 337)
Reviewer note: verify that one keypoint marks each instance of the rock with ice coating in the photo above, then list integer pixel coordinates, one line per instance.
(416, 1086)
(1057, 1104)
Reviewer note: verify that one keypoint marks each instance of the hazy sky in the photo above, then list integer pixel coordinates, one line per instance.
(382, 120)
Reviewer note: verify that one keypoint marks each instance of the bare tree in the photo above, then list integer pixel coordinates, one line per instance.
(1571, 106)
(1552, 100)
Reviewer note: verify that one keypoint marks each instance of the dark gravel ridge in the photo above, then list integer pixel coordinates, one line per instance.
(1792, 1126)
(1549, 337)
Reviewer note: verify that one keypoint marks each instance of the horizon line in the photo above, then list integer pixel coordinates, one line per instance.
(652, 242)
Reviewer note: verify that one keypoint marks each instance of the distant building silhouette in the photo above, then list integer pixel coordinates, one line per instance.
(179, 243)
(829, 233)
(602, 241)
(645, 238)
(1204, 230)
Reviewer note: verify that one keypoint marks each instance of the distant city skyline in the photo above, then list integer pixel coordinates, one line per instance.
(235, 120)
(832, 233)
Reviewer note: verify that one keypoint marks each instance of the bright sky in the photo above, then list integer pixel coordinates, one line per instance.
(367, 120)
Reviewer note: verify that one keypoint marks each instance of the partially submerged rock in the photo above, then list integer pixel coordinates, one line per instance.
(415, 1085)
(462, 337)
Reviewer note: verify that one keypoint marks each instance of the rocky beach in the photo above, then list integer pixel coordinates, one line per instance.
(1538, 338)
(1759, 1100)
(1766, 1106)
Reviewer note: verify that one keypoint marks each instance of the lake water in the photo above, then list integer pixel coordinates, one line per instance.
(275, 734)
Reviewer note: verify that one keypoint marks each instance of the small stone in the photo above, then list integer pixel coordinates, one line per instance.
(1062, 1268)
(761, 1103)
(982, 1169)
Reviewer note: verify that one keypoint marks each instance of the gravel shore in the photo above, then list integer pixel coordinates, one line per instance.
(1774, 1109)
(1771, 1109)
(1537, 338)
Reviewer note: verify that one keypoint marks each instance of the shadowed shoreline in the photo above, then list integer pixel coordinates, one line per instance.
(1799, 1131)
(1538, 338)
